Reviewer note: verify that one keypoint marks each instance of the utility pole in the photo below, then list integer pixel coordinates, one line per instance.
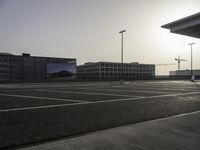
(191, 59)
(122, 67)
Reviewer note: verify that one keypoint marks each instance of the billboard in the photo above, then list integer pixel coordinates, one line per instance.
(57, 70)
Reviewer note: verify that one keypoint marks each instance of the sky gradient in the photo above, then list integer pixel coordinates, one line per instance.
(88, 30)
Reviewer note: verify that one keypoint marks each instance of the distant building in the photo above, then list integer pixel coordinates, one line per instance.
(184, 73)
(31, 68)
(112, 71)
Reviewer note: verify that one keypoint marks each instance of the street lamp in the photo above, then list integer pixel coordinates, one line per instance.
(191, 59)
(121, 32)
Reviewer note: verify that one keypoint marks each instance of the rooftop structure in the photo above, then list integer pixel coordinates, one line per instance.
(189, 26)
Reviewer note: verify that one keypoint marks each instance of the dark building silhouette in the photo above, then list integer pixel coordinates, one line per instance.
(112, 71)
(31, 68)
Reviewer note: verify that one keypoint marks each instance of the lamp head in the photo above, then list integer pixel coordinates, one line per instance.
(122, 31)
(191, 43)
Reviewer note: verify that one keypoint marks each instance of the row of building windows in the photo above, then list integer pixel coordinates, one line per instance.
(100, 64)
(113, 71)
(111, 67)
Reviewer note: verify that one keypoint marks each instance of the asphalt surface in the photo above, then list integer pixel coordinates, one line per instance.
(173, 133)
(38, 112)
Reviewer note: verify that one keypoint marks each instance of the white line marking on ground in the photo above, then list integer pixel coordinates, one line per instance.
(39, 85)
(38, 107)
(158, 88)
(89, 93)
(124, 85)
(124, 90)
(166, 88)
(150, 97)
(37, 97)
(97, 102)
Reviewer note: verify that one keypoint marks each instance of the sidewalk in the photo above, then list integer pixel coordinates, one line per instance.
(180, 132)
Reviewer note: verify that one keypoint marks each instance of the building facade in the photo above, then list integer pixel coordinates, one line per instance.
(184, 73)
(112, 71)
(31, 68)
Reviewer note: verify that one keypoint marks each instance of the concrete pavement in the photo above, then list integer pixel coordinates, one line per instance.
(181, 132)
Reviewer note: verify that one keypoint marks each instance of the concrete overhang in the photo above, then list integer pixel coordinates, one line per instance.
(189, 26)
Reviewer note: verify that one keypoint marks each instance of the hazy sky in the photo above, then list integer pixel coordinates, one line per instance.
(88, 30)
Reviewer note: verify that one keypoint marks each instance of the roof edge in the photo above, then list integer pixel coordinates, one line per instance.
(167, 26)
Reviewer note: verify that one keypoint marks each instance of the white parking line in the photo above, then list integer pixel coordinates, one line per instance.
(37, 97)
(46, 85)
(157, 88)
(157, 96)
(89, 93)
(39, 107)
(124, 85)
(97, 102)
(166, 88)
(123, 90)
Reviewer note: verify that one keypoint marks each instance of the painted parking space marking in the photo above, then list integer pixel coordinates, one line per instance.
(124, 90)
(89, 93)
(43, 85)
(157, 88)
(97, 102)
(39, 107)
(38, 97)
(166, 87)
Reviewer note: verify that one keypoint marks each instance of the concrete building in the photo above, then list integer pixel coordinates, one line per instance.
(184, 73)
(112, 71)
(31, 68)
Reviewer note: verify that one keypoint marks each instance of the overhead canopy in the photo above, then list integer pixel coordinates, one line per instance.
(189, 26)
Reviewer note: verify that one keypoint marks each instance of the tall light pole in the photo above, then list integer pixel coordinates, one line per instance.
(191, 58)
(122, 38)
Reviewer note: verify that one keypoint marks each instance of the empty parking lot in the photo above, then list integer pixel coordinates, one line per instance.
(36, 112)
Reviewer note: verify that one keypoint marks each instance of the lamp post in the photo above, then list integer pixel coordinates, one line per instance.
(191, 59)
(121, 32)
